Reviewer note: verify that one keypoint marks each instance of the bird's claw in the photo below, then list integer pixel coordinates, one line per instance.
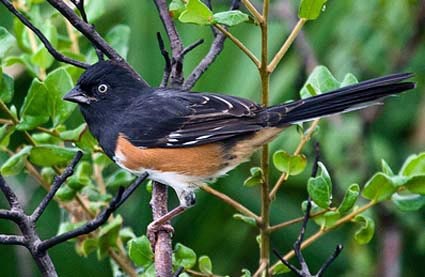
(154, 229)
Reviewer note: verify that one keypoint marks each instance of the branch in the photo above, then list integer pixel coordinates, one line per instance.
(100, 219)
(166, 55)
(12, 240)
(11, 197)
(55, 186)
(304, 270)
(58, 56)
(92, 35)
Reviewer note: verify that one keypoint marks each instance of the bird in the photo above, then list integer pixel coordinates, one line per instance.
(184, 139)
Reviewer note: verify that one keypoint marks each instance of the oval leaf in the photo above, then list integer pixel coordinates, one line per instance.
(33, 112)
(366, 231)
(49, 155)
(311, 9)
(196, 12)
(205, 264)
(140, 251)
(230, 18)
(410, 202)
(15, 163)
(350, 198)
(285, 162)
(379, 188)
(184, 256)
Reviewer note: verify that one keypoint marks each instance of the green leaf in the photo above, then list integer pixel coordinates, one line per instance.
(256, 177)
(196, 12)
(350, 198)
(33, 112)
(176, 8)
(311, 9)
(285, 162)
(126, 234)
(108, 236)
(86, 142)
(140, 251)
(230, 18)
(330, 218)
(320, 188)
(414, 165)
(366, 231)
(6, 87)
(410, 202)
(7, 41)
(119, 178)
(74, 134)
(320, 81)
(65, 193)
(15, 163)
(246, 273)
(149, 272)
(81, 177)
(67, 226)
(349, 79)
(205, 264)
(119, 37)
(280, 268)
(87, 246)
(184, 256)
(416, 184)
(58, 83)
(49, 155)
(5, 132)
(249, 220)
(386, 168)
(380, 187)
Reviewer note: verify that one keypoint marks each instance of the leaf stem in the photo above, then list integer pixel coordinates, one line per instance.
(238, 206)
(253, 10)
(282, 51)
(284, 176)
(325, 230)
(239, 44)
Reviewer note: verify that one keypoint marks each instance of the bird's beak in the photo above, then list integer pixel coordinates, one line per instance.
(77, 95)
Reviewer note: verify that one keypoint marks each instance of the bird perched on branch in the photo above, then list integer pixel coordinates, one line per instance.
(183, 139)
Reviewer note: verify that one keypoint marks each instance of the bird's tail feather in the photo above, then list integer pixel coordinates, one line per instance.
(345, 99)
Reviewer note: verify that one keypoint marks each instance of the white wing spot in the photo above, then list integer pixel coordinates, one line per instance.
(190, 142)
(206, 99)
(173, 140)
(224, 101)
(203, 137)
(174, 135)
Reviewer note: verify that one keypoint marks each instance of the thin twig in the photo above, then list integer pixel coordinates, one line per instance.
(284, 176)
(282, 51)
(100, 219)
(238, 206)
(59, 180)
(239, 44)
(58, 56)
(167, 66)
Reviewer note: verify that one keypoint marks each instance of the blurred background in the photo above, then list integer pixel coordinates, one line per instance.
(367, 38)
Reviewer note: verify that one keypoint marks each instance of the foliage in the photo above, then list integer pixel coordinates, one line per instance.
(40, 132)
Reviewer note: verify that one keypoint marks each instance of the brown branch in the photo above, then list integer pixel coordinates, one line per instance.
(163, 249)
(58, 56)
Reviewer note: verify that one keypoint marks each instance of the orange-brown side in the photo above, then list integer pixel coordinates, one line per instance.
(202, 160)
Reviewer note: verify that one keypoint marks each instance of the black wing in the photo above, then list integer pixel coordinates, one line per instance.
(170, 118)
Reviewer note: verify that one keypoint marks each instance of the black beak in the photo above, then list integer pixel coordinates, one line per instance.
(77, 96)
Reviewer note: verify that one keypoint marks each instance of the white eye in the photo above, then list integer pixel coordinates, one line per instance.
(102, 88)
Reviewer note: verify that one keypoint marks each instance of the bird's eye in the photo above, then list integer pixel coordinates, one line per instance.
(102, 88)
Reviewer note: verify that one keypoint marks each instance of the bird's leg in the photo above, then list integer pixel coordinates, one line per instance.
(187, 199)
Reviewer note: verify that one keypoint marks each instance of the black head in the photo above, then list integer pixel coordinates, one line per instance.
(104, 83)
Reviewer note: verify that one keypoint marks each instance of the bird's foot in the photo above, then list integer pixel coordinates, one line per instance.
(154, 228)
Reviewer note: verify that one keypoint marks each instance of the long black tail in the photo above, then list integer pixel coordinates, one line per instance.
(345, 99)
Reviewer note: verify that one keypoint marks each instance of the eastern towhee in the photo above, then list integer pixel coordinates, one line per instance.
(182, 138)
